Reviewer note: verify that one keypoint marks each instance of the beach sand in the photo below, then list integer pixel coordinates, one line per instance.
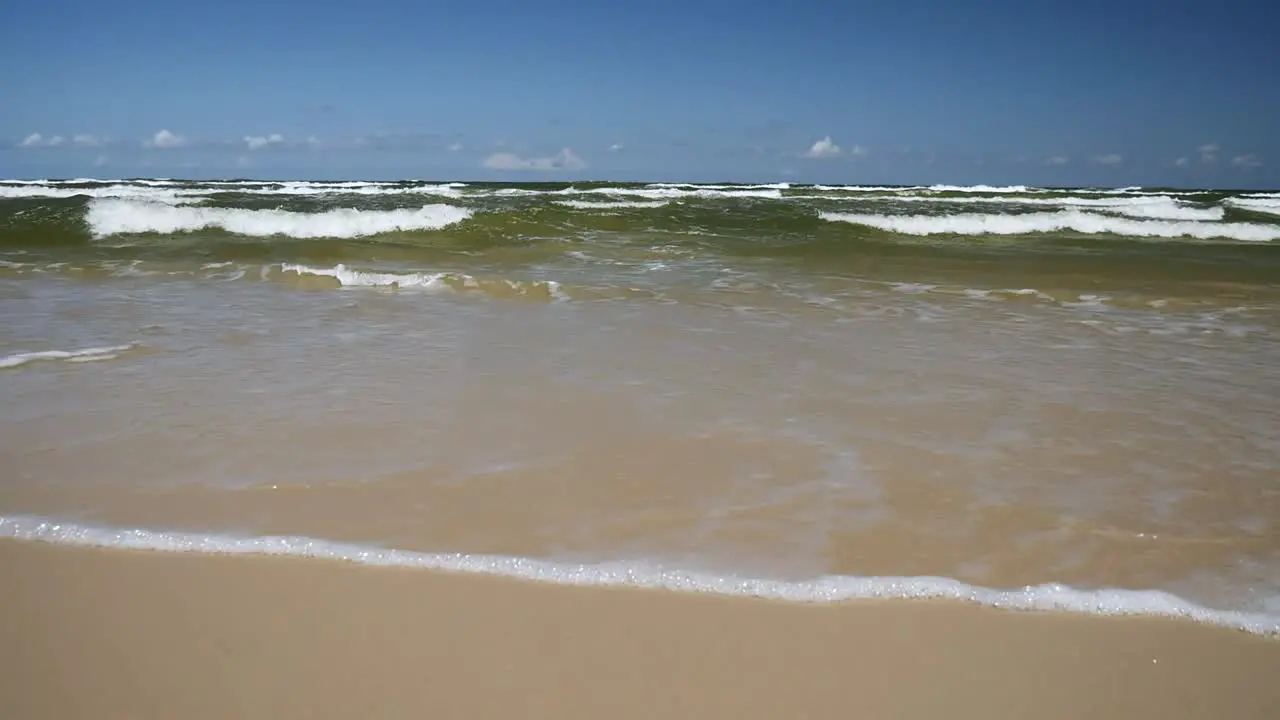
(119, 634)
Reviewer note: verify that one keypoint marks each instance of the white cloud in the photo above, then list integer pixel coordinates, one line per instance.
(38, 140)
(1057, 160)
(1209, 153)
(823, 148)
(86, 140)
(257, 142)
(615, 147)
(101, 161)
(566, 159)
(455, 147)
(1111, 159)
(1180, 162)
(166, 140)
(1246, 161)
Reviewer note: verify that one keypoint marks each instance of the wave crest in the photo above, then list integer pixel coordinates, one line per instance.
(114, 217)
(496, 287)
(1070, 220)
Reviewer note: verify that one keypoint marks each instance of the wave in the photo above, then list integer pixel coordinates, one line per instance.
(451, 190)
(1067, 220)
(166, 192)
(982, 188)
(670, 193)
(768, 186)
(93, 354)
(1151, 207)
(821, 590)
(1260, 204)
(497, 287)
(112, 217)
(620, 205)
(153, 194)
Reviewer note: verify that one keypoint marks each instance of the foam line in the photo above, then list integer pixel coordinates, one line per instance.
(1073, 220)
(621, 204)
(362, 278)
(85, 355)
(825, 589)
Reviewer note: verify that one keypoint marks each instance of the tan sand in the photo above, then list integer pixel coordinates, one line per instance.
(111, 634)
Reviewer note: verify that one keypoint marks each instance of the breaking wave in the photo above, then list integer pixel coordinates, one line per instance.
(619, 205)
(1260, 204)
(497, 287)
(112, 217)
(1070, 220)
(1153, 207)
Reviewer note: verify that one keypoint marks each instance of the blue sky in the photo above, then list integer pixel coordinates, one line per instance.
(1086, 92)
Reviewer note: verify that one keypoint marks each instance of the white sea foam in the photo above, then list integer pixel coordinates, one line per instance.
(349, 277)
(696, 186)
(93, 354)
(983, 188)
(153, 194)
(620, 205)
(862, 188)
(1268, 205)
(449, 190)
(825, 589)
(671, 193)
(1155, 207)
(1072, 220)
(165, 191)
(363, 278)
(110, 217)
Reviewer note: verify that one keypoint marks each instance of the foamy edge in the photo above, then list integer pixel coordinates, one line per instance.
(107, 217)
(93, 354)
(1073, 220)
(822, 590)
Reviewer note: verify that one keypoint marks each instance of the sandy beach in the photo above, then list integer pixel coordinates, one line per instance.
(119, 634)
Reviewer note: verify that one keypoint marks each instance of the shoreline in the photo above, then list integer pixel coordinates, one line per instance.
(830, 590)
(105, 633)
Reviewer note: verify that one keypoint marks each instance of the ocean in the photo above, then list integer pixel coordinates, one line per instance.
(1027, 397)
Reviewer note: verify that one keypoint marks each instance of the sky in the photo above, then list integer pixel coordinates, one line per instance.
(1115, 93)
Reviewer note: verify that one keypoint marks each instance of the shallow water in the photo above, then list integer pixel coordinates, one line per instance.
(707, 380)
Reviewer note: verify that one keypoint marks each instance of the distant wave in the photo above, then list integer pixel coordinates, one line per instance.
(141, 192)
(111, 217)
(168, 191)
(669, 193)
(1072, 220)
(1268, 205)
(621, 204)
(1153, 207)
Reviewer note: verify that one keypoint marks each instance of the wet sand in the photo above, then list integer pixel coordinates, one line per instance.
(116, 634)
